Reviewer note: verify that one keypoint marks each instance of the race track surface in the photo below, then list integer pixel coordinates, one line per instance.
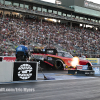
(87, 88)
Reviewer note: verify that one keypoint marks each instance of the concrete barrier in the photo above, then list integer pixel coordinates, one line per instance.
(6, 71)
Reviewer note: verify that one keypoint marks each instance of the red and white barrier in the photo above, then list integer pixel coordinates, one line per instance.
(8, 59)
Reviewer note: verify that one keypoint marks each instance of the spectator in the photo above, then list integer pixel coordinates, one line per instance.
(48, 35)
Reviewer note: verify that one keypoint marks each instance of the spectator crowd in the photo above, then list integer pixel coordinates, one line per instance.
(76, 40)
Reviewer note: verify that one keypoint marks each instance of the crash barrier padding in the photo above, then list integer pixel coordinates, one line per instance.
(18, 71)
(6, 71)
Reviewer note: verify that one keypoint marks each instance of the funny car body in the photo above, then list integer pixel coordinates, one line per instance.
(60, 60)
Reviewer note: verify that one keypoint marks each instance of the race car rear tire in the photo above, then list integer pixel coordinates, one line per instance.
(89, 67)
(58, 64)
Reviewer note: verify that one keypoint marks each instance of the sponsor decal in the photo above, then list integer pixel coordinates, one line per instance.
(85, 67)
(50, 58)
(82, 67)
(50, 52)
(24, 71)
(79, 67)
(65, 66)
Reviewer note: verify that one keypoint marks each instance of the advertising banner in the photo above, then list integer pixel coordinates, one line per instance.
(94, 61)
(9, 59)
(24, 71)
(92, 5)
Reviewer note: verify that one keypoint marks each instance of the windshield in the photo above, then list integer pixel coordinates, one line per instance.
(65, 54)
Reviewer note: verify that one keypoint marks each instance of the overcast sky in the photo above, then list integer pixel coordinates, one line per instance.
(53, 1)
(95, 1)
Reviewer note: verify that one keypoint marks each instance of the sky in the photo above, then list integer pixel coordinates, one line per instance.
(53, 1)
(95, 1)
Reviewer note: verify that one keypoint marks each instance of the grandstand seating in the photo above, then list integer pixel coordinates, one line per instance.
(76, 40)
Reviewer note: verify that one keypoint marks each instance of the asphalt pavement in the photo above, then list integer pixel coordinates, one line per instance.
(71, 88)
(76, 89)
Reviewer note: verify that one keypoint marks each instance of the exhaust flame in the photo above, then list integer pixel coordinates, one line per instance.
(75, 61)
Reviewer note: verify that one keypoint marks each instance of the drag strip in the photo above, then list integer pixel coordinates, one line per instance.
(59, 76)
(83, 89)
(53, 75)
(64, 87)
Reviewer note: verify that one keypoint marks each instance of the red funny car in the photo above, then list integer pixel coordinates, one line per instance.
(59, 59)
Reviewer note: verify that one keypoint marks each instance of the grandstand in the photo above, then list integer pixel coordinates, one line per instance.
(71, 25)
